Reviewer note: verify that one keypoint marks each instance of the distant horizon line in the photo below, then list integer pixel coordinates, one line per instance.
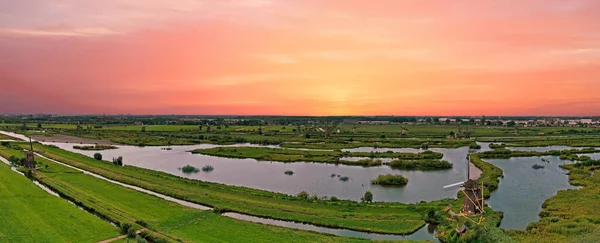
(271, 115)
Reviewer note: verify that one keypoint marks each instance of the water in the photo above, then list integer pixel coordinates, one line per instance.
(315, 178)
(425, 233)
(523, 189)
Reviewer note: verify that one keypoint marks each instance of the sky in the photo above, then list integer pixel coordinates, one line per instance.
(300, 57)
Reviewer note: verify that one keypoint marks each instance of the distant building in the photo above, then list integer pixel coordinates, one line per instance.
(586, 121)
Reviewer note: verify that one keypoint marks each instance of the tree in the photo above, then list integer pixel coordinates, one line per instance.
(368, 197)
(39, 125)
(98, 156)
(131, 234)
(302, 195)
(118, 161)
(125, 228)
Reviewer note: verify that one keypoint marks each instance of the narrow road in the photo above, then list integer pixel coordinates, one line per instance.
(119, 237)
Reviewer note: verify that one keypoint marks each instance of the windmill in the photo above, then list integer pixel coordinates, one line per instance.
(404, 131)
(29, 161)
(473, 202)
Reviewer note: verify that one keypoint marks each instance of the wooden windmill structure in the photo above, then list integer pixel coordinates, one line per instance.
(29, 161)
(404, 131)
(473, 202)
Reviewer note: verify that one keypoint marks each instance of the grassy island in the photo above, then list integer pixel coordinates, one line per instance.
(390, 180)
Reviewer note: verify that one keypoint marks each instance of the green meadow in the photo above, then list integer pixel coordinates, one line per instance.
(29, 214)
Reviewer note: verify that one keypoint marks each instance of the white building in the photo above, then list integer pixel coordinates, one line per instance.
(586, 121)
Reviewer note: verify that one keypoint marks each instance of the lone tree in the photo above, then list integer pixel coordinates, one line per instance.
(98, 156)
(368, 197)
(118, 161)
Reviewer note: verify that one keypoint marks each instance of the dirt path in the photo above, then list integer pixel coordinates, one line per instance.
(119, 237)
(59, 138)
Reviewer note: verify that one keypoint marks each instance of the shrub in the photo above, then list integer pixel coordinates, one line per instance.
(344, 178)
(303, 195)
(125, 228)
(131, 233)
(189, 169)
(207, 168)
(334, 199)
(118, 161)
(389, 179)
(142, 223)
(98, 156)
(368, 197)
(288, 172)
(4, 143)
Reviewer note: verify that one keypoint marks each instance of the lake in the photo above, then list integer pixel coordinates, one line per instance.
(523, 189)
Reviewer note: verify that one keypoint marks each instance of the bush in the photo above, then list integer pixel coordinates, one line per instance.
(334, 199)
(125, 228)
(142, 223)
(4, 143)
(303, 195)
(207, 168)
(189, 169)
(131, 234)
(118, 161)
(98, 156)
(344, 178)
(288, 172)
(368, 197)
(389, 179)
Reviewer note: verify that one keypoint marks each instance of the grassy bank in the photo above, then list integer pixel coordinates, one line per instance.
(293, 155)
(376, 217)
(592, 140)
(95, 147)
(424, 164)
(30, 214)
(6, 137)
(502, 153)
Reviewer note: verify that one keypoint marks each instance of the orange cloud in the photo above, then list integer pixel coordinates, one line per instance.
(326, 57)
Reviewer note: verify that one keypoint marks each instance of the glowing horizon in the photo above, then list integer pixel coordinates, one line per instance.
(301, 57)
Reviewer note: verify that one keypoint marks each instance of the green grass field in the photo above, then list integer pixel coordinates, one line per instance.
(29, 214)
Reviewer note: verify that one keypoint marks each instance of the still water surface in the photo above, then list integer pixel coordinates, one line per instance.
(523, 189)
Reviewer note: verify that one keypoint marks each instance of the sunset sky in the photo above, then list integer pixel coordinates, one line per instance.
(300, 57)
